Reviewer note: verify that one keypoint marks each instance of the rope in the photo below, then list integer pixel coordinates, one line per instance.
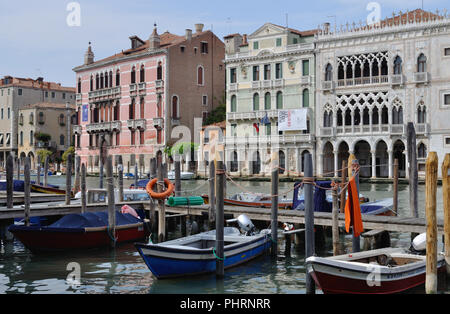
(217, 257)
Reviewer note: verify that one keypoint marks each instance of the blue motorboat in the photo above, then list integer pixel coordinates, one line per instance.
(196, 254)
(19, 185)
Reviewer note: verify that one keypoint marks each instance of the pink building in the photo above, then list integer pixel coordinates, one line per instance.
(134, 98)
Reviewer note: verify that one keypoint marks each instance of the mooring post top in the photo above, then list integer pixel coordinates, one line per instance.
(432, 158)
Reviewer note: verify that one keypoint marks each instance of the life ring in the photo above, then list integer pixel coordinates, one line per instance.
(163, 195)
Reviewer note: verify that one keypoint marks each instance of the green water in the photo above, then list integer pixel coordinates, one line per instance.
(122, 270)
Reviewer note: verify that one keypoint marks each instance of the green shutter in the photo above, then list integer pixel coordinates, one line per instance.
(305, 98)
(278, 42)
(233, 103)
(279, 100)
(267, 102)
(255, 45)
(305, 67)
(255, 102)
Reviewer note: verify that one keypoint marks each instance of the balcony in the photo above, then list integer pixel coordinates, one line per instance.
(142, 88)
(116, 126)
(397, 79)
(278, 83)
(327, 85)
(137, 124)
(233, 87)
(78, 97)
(363, 129)
(358, 81)
(99, 127)
(47, 145)
(256, 84)
(252, 115)
(421, 77)
(328, 131)
(175, 121)
(305, 80)
(158, 123)
(397, 129)
(76, 129)
(105, 94)
(159, 85)
(133, 89)
(267, 84)
(272, 140)
(423, 128)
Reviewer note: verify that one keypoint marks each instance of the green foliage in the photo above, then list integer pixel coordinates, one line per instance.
(43, 137)
(219, 113)
(180, 148)
(69, 151)
(43, 153)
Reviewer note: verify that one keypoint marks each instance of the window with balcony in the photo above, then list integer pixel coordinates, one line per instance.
(118, 78)
(233, 75)
(256, 101)
(233, 103)
(267, 101)
(327, 119)
(159, 136)
(131, 109)
(133, 75)
(104, 80)
(305, 67)
(267, 73)
(422, 151)
(422, 63)
(141, 137)
(328, 72)
(91, 84)
(142, 74)
(269, 129)
(97, 82)
(421, 114)
(397, 115)
(256, 73)
(110, 79)
(159, 107)
(398, 66)
(133, 137)
(159, 73)
(279, 100)
(278, 70)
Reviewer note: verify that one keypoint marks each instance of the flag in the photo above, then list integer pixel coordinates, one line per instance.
(265, 120)
(256, 126)
(353, 210)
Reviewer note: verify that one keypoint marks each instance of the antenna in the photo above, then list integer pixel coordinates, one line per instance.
(335, 22)
(287, 20)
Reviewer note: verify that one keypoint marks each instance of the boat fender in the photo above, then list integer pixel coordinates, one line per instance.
(160, 196)
(419, 243)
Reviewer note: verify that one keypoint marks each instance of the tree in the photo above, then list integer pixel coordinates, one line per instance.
(43, 137)
(43, 153)
(219, 113)
(69, 151)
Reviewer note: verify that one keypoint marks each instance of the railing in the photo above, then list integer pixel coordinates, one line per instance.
(397, 79)
(98, 127)
(422, 128)
(133, 88)
(421, 77)
(137, 124)
(363, 81)
(267, 84)
(269, 139)
(76, 129)
(78, 97)
(327, 85)
(252, 115)
(159, 84)
(306, 79)
(142, 87)
(278, 83)
(394, 129)
(108, 92)
(233, 87)
(158, 123)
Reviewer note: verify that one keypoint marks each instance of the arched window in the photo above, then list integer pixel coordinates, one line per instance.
(61, 139)
(131, 109)
(256, 101)
(159, 71)
(267, 101)
(327, 119)
(422, 114)
(21, 119)
(61, 120)
(233, 103)
(384, 115)
(339, 117)
(31, 137)
(31, 118)
(328, 72)
(200, 75)
(118, 77)
(279, 100)
(422, 151)
(142, 74)
(397, 115)
(101, 81)
(91, 87)
(133, 75)
(422, 63)
(79, 85)
(110, 79)
(305, 98)
(106, 80)
(21, 138)
(159, 107)
(97, 82)
(398, 65)
(175, 107)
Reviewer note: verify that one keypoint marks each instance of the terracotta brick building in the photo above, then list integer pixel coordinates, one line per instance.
(135, 98)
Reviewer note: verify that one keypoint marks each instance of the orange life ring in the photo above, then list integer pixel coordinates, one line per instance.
(163, 195)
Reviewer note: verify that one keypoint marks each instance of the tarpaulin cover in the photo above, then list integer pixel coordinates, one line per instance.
(321, 204)
(92, 220)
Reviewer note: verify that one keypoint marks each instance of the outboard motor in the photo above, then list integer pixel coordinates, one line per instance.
(419, 244)
(246, 225)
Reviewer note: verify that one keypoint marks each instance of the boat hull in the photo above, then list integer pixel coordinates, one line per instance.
(48, 240)
(167, 262)
(230, 202)
(46, 190)
(344, 279)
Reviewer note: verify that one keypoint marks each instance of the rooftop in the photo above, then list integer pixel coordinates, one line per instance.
(38, 83)
(47, 105)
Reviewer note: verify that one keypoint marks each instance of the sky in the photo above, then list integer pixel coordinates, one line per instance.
(38, 41)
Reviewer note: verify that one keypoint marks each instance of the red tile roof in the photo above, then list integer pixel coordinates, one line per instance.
(32, 83)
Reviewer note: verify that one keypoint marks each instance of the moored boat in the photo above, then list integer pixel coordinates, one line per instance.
(80, 231)
(196, 254)
(183, 175)
(382, 271)
(254, 200)
(46, 189)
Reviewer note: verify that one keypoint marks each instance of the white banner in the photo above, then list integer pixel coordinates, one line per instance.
(292, 120)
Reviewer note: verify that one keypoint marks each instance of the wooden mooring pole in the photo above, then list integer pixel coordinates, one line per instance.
(413, 172)
(430, 212)
(38, 178)
(46, 171)
(309, 220)
(120, 179)
(335, 227)
(395, 205)
(446, 201)
(274, 212)
(27, 190)
(83, 188)
(152, 201)
(18, 168)
(68, 179)
(77, 174)
(9, 181)
(111, 201)
(219, 249)
(212, 195)
(344, 180)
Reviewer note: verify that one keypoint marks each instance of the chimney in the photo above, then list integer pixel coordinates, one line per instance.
(188, 34)
(154, 40)
(244, 39)
(199, 28)
(89, 56)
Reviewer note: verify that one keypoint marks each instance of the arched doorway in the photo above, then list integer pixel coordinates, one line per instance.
(399, 153)
(364, 157)
(343, 154)
(382, 160)
(328, 160)
(303, 159)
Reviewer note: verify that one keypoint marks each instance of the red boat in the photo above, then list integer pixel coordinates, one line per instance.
(383, 271)
(80, 231)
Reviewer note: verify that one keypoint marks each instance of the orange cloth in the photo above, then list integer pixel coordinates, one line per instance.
(353, 210)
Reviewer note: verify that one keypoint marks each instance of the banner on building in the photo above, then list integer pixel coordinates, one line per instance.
(85, 113)
(292, 120)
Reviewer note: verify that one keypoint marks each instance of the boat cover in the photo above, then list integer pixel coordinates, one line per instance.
(320, 198)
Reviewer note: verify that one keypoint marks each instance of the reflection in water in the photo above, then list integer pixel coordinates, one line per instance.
(122, 270)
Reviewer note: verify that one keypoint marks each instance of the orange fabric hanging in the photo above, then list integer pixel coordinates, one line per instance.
(353, 210)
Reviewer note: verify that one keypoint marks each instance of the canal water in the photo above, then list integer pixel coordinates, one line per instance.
(122, 271)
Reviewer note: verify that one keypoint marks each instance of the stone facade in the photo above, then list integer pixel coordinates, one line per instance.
(372, 81)
(269, 70)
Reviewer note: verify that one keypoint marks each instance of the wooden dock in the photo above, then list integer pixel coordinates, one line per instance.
(19, 197)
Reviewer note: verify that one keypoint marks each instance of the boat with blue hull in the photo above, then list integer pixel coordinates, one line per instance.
(194, 255)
